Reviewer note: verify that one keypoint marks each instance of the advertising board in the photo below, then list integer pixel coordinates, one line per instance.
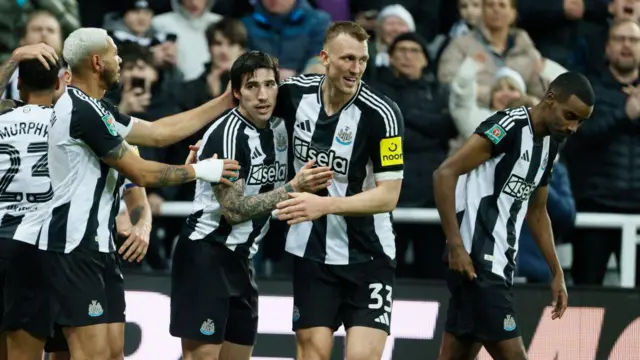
(599, 324)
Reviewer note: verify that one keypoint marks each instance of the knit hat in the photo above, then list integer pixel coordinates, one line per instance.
(135, 5)
(398, 11)
(410, 36)
(514, 76)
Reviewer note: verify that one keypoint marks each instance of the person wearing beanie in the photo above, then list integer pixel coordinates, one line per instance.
(393, 20)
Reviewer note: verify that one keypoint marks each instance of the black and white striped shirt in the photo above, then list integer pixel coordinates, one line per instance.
(262, 155)
(362, 144)
(492, 200)
(86, 191)
(24, 175)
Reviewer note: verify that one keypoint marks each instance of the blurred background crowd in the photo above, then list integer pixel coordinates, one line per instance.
(448, 64)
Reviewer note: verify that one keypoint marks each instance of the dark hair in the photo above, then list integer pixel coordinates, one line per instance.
(35, 77)
(248, 63)
(572, 83)
(132, 52)
(513, 3)
(413, 37)
(230, 28)
(345, 27)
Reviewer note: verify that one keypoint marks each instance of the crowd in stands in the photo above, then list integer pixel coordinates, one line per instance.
(448, 64)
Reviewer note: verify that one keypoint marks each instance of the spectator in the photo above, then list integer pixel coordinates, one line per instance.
(227, 40)
(554, 25)
(470, 12)
(40, 26)
(507, 85)
(589, 53)
(188, 21)
(392, 21)
(17, 14)
(290, 30)
(502, 46)
(428, 128)
(142, 96)
(602, 156)
(134, 25)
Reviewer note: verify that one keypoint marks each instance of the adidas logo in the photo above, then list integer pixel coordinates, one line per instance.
(384, 319)
(256, 154)
(304, 126)
(525, 156)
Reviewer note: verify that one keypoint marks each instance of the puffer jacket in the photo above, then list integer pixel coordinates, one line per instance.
(603, 156)
(428, 128)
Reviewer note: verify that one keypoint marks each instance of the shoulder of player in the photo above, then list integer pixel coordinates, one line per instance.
(26, 112)
(226, 128)
(373, 99)
(510, 119)
(83, 105)
(302, 82)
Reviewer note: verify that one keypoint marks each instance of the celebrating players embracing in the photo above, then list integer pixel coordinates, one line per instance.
(483, 193)
(87, 154)
(342, 241)
(213, 256)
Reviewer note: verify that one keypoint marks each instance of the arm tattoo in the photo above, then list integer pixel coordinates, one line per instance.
(135, 213)
(172, 175)
(117, 152)
(239, 208)
(6, 72)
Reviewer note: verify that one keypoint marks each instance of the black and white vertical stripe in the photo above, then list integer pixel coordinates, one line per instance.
(492, 199)
(340, 141)
(262, 153)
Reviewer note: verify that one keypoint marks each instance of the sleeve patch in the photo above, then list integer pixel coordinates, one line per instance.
(495, 133)
(391, 151)
(110, 123)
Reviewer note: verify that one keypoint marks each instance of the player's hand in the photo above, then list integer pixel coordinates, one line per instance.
(43, 52)
(460, 261)
(632, 107)
(310, 179)
(214, 170)
(192, 158)
(301, 207)
(123, 224)
(135, 248)
(560, 296)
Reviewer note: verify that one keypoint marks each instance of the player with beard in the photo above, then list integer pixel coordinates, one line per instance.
(483, 193)
(86, 155)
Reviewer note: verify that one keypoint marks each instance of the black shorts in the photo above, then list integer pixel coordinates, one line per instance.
(86, 287)
(25, 303)
(214, 297)
(332, 295)
(56, 342)
(482, 309)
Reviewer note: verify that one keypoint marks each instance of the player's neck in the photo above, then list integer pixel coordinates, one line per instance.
(539, 128)
(257, 123)
(89, 87)
(332, 98)
(42, 99)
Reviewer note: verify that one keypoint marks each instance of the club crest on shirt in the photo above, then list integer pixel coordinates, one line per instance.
(281, 142)
(495, 134)
(345, 136)
(110, 123)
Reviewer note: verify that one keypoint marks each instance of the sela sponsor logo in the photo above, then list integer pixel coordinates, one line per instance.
(304, 152)
(267, 174)
(518, 188)
(391, 151)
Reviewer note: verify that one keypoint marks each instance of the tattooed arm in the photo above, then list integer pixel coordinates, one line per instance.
(146, 173)
(238, 208)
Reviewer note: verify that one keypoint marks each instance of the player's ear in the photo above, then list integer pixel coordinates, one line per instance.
(549, 98)
(324, 57)
(57, 83)
(236, 94)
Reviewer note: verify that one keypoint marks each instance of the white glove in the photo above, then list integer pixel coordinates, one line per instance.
(209, 170)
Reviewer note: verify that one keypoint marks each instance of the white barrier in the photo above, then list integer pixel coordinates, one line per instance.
(629, 224)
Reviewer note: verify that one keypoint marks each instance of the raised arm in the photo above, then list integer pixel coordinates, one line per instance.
(43, 52)
(171, 129)
(99, 132)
